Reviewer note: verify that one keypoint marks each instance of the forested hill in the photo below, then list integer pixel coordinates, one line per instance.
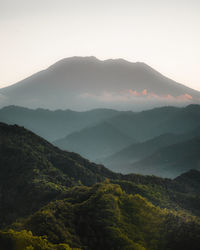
(33, 172)
(83, 205)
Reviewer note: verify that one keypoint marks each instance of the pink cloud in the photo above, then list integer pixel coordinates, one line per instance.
(185, 97)
(133, 95)
(144, 92)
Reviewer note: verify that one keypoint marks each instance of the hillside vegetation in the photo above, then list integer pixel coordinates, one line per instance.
(53, 199)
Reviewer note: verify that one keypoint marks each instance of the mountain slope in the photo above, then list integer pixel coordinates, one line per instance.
(138, 151)
(140, 126)
(53, 125)
(33, 172)
(151, 123)
(172, 160)
(37, 182)
(121, 130)
(105, 217)
(23, 240)
(95, 142)
(38, 172)
(81, 83)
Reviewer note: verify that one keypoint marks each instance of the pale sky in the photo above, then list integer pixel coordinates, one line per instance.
(162, 33)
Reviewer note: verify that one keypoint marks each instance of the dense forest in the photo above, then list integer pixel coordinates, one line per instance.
(53, 199)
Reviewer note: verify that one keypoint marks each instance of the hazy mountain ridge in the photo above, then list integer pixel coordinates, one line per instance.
(95, 142)
(172, 160)
(151, 123)
(86, 82)
(98, 133)
(53, 125)
(148, 128)
(138, 151)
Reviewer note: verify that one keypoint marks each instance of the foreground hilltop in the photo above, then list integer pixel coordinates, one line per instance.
(86, 82)
(32, 171)
(79, 204)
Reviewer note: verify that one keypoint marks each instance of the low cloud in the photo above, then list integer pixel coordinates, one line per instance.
(133, 95)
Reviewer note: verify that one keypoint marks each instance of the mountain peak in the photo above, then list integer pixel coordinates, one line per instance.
(75, 59)
(95, 59)
(82, 83)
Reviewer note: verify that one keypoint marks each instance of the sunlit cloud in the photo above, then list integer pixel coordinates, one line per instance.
(184, 97)
(133, 95)
(144, 92)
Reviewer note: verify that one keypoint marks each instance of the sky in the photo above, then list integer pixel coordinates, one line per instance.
(162, 33)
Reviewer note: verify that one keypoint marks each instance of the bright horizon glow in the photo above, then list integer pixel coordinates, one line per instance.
(163, 34)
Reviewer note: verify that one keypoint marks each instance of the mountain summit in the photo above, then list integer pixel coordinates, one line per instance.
(81, 83)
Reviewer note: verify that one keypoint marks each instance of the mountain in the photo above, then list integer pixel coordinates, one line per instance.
(137, 151)
(105, 217)
(190, 181)
(140, 150)
(95, 142)
(53, 199)
(81, 83)
(171, 161)
(33, 172)
(125, 128)
(100, 133)
(148, 124)
(140, 126)
(38, 172)
(53, 125)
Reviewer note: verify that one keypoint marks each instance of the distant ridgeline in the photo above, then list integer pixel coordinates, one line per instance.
(53, 199)
(162, 141)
